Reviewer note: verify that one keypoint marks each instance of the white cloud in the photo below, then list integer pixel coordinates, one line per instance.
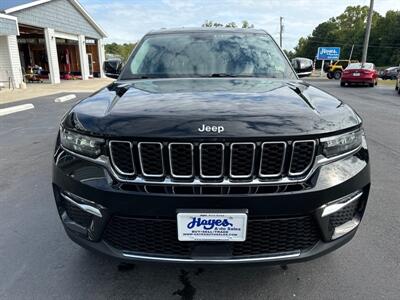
(128, 21)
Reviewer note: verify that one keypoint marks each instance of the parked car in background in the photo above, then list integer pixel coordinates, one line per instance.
(303, 64)
(335, 69)
(356, 73)
(390, 73)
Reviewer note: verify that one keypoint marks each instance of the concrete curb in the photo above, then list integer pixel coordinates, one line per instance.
(65, 98)
(14, 109)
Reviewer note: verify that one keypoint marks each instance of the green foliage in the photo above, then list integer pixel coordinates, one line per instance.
(245, 24)
(349, 28)
(289, 54)
(122, 50)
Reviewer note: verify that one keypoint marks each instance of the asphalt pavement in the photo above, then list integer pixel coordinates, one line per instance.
(38, 261)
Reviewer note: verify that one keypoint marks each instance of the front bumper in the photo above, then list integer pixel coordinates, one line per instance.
(92, 189)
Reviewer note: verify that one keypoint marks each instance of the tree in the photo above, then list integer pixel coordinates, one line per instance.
(348, 28)
(123, 50)
(245, 24)
(289, 54)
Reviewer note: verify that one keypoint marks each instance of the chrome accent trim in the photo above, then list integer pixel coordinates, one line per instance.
(222, 163)
(319, 161)
(283, 159)
(217, 260)
(162, 159)
(87, 208)
(331, 208)
(170, 161)
(346, 228)
(291, 157)
(252, 162)
(59, 157)
(112, 157)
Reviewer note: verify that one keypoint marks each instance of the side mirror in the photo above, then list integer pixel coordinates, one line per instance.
(302, 66)
(112, 68)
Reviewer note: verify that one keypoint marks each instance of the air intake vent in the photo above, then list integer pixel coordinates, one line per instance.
(212, 160)
(151, 159)
(121, 153)
(272, 159)
(181, 160)
(302, 157)
(242, 160)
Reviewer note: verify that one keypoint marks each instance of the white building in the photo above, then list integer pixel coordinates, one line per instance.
(55, 38)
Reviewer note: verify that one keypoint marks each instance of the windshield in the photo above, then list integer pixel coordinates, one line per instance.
(209, 54)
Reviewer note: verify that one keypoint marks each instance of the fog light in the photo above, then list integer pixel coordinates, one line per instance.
(341, 215)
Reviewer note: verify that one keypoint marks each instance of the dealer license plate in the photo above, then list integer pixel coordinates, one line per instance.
(212, 226)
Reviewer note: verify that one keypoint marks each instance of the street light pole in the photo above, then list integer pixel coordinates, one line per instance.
(367, 32)
(280, 31)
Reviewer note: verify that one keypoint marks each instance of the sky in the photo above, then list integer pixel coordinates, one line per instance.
(126, 21)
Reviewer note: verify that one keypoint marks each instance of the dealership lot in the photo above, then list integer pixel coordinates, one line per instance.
(38, 260)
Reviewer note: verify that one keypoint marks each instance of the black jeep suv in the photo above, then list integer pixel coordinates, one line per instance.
(208, 149)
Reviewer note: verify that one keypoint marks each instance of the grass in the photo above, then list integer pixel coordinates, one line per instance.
(387, 82)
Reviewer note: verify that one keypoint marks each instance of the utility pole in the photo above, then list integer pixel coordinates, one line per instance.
(280, 31)
(367, 32)
(351, 53)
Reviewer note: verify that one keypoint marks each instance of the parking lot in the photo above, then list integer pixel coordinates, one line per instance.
(37, 260)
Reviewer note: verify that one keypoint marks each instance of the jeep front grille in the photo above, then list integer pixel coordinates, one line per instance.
(238, 161)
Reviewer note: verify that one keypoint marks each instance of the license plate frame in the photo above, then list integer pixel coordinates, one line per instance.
(212, 225)
(356, 74)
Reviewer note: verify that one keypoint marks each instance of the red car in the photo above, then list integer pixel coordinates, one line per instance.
(358, 74)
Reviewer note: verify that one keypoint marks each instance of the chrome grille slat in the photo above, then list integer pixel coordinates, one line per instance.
(113, 157)
(153, 167)
(303, 155)
(218, 158)
(180, 162)
(265, 158)
(244, 163)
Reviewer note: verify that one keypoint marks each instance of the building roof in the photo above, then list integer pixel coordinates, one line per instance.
(5, 4)
(10, 6)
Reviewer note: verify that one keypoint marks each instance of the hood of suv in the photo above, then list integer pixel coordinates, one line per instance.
(177, 108)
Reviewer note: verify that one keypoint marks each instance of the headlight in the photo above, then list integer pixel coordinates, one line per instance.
(339, 144)
(81, 144)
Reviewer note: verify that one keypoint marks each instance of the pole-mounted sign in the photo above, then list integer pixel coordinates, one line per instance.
(328, 53)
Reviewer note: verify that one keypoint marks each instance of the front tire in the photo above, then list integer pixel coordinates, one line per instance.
(371, 84)
(337, 75)
(342, 83)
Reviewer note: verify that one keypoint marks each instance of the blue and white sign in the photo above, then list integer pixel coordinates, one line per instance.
(328, 53)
